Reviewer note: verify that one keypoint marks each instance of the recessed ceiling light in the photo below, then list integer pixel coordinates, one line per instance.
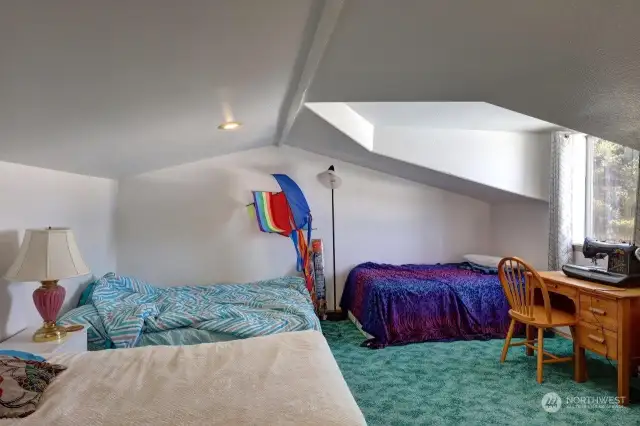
(229, 125)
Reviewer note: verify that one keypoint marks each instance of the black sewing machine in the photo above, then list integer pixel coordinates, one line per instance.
(623, 265)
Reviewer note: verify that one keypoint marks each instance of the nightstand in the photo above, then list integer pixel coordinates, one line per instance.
(23, 341)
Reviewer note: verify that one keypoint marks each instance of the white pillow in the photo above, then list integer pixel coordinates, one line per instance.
(482, 260)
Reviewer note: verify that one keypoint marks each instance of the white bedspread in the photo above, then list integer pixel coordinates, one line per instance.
(283, 379)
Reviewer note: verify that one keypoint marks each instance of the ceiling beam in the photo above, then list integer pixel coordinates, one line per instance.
(322, 21)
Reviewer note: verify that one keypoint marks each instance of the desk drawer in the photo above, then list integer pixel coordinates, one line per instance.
(599, 311)
(597, 339)
(566, 290)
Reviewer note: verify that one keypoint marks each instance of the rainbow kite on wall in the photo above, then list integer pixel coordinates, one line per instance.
(287, 213)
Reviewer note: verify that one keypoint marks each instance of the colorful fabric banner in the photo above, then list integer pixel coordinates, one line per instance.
(287, 213)
(272, 212)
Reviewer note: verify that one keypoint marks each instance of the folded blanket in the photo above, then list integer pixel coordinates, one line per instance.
(129, 307)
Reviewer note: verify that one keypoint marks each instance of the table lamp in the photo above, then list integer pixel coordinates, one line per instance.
(48, 255)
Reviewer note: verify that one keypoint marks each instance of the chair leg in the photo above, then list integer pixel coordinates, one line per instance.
(540, 346)
(507, 341)
(530, 338)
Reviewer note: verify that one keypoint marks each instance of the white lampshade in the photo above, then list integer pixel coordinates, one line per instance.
(47, 255)
(330, 179)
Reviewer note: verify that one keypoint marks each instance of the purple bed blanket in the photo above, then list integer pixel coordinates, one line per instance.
(417, 303)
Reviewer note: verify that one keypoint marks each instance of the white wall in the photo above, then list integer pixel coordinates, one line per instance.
(31, 197)
(522, 229)
(511, 161)
(189, 224)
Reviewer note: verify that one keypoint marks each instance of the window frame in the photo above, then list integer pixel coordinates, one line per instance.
(582, 182)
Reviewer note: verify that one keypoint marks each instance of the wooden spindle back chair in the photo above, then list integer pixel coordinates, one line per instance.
(519, 281)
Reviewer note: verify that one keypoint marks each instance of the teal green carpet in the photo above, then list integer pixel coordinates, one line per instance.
(460, 383)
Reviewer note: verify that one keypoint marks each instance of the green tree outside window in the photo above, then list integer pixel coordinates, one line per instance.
(614, 181)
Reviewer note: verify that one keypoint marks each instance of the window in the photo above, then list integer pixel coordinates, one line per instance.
(605, 181)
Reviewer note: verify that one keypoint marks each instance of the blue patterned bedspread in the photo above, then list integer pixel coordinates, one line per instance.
(416, 303)
(128, 308)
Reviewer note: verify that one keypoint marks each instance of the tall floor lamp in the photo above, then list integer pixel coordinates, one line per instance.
(331, 180)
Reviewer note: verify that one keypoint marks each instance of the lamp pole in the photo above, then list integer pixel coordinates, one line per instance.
(333, 247)
(331, 180)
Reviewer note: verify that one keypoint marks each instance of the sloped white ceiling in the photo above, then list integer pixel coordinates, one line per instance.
(314, 134)
(449, 115)
(475, 142)
(117, 87)
(571, 62)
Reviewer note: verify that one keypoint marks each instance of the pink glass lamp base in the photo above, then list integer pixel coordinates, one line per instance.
(48, 299)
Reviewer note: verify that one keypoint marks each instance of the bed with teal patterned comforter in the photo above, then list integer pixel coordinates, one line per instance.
(124, 312)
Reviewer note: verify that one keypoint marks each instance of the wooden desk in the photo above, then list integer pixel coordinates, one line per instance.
(606, 315)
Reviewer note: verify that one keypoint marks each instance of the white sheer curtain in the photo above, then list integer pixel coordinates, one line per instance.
(560, 202)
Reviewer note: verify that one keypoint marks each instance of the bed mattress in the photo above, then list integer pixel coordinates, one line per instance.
(284, 379)
(399, 304)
